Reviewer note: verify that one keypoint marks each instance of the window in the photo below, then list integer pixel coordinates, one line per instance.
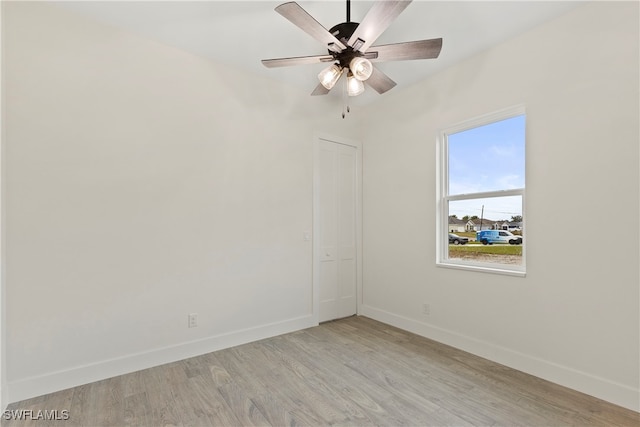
(481, 192)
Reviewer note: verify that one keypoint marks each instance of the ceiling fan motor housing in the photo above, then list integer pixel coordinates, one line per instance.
(343, 32)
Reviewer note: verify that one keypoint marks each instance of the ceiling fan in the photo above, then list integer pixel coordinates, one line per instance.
(350, 47)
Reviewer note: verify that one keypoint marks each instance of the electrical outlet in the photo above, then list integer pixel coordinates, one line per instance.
(193, 320)
(426, 309)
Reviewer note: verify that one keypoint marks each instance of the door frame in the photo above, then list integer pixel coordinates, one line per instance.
(316, 225)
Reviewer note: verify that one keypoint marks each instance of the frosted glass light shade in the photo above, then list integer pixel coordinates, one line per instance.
(354, 86)
(329, 76)
(361, 68)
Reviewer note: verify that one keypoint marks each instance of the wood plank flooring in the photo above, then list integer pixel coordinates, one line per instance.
(354, 371)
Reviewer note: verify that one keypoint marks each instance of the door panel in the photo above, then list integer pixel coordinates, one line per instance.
(336, 257)
(346, 230)
(328, 290)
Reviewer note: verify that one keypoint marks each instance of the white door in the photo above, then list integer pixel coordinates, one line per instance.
(336, 227)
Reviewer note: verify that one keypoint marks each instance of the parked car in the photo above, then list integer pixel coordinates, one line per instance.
(489, 237)
(457, 240)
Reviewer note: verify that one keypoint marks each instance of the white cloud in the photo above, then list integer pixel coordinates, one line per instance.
(508, 182)
(503, 150)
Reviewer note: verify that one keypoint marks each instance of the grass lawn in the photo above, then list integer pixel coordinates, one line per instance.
(485, 249)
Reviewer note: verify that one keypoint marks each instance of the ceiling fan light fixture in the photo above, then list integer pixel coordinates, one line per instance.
(351, 48)
(361, 68)
(354, 86)
(330, 75)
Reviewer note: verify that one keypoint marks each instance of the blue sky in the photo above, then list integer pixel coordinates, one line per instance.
(488, 158)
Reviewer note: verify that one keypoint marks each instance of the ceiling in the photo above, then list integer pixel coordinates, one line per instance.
(241, 33)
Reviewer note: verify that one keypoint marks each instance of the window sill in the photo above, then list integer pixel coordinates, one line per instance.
(482, 268)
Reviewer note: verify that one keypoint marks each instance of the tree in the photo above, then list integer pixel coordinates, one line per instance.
(453, 216)
(473, 218)
(466, 218)
(516, 218)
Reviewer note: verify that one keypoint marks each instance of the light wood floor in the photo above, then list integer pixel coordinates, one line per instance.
(353, 371)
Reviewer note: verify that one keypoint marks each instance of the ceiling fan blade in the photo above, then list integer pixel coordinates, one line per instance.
(320, 90)
(420, 49)
(298, 16)
(300, 60)
(379, 81)
(378, 19)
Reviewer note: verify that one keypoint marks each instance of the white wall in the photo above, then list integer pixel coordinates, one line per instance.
(575, 318)
(142, 184)
(3, 347)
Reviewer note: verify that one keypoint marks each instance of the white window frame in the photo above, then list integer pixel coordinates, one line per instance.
(443, 198)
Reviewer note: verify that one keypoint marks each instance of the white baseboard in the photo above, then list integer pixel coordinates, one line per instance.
(55, 381)
(618, 394)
